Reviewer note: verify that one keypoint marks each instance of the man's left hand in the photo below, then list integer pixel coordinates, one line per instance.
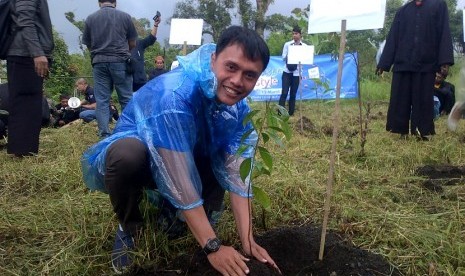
(260, 254)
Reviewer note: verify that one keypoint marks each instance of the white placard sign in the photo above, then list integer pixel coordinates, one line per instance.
(326, 15)
(300, 53)
(186, 30)
(314, 73)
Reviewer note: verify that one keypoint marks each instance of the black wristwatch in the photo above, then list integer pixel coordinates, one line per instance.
(212, 245)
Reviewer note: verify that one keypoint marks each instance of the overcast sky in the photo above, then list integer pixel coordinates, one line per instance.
(139, 9)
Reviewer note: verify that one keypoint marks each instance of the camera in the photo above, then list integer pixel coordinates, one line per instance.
(155, 18)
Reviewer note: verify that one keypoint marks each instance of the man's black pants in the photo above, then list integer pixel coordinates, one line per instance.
(292, 82)
(25, 106)
(127, 174)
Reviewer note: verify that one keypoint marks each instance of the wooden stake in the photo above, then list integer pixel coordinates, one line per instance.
(300, 104)
(337, 109)
(184, 48)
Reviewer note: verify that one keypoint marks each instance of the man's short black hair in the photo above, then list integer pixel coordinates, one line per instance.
(297, 29)
(253, 44)
(64, 97)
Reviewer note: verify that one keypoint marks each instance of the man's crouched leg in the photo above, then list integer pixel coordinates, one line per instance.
(126, 174)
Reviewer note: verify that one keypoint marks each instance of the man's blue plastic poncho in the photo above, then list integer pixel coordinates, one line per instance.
(171, 115)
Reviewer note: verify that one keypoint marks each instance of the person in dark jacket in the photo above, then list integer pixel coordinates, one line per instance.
(3, 109)
(28, 63)
(139, 77)
(65, 114)
(445, 91)
(110, 35)
(418, 45)
(159, 68)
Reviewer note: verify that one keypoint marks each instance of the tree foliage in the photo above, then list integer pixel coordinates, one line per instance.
(216, 14)
(62, 71)
(260, 22)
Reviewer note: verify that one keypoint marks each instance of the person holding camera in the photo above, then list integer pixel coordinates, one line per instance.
(110, 35)
(139, 77)
(64, 114)
(290, 78)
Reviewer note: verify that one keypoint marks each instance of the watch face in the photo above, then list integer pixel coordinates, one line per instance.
(212, 245)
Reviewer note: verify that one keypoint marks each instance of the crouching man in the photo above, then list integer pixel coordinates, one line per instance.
(180, 135)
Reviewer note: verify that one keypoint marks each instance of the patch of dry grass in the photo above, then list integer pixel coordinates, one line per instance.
(50, 224)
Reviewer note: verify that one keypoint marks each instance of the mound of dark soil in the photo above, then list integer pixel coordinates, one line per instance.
(441, 175)
(441, 171)
(295, 250)
(305, 126)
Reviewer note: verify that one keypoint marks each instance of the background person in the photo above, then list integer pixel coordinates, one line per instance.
(290, 77)
(187, 150)
(109, 34)
(64, 114)
(3, 109)
(159, 68)
(28, 63)
(445, 92)
(137, 55)
(88, 105)
(418, 45)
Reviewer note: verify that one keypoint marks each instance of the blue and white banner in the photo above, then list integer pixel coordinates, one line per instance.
(324, 70)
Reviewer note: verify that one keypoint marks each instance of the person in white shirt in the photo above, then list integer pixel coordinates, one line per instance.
(290, 78)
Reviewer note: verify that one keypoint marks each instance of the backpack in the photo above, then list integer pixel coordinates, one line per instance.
(6, 27)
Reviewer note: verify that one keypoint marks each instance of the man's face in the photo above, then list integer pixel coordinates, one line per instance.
(439, 78)
(236, 74)
(296, 36)
(160, 64)
(64, 102)
(81, 87)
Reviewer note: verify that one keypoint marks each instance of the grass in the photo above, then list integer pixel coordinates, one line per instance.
(50, 224)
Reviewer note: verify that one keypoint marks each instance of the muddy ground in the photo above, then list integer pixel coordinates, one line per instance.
(438, 177)
(295, 250)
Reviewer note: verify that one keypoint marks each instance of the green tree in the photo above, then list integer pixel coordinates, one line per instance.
(78, 24)
(62, 74)
(216, 14)
(260, 22)
(247, 13)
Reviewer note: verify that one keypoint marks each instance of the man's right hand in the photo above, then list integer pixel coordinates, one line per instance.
(228, 261)
(379, 71)
(157, 21)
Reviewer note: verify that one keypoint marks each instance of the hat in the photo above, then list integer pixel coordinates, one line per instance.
(297, 29)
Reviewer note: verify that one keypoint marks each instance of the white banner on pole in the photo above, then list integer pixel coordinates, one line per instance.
(326, 15)
(186, 30)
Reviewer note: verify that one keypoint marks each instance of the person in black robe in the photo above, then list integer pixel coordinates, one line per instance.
(418, 45)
